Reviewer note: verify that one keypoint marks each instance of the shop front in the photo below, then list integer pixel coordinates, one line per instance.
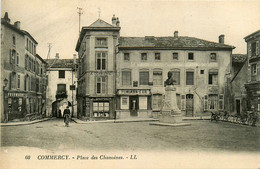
(97, 108)
(253, 96)
(134, 103)
(15, 105)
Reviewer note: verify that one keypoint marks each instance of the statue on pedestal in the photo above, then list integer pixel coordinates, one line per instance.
(170, 80)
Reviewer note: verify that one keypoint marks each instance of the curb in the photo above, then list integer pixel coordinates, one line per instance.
(23, 123)
(112, 121)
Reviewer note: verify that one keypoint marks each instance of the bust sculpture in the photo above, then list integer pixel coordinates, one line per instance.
(170, 80)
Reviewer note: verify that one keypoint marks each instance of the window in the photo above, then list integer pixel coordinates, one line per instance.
(101, 42)
(18, 81)
(190, 56)
(101, 85)
(213, 57)
(213, 101)
(13, 80)
(157, 56)
(143, 56)
(12, 56)
(144, 78)
(14, 40)
(101, 109)
(202, 72)
(62, 74)
(157, 102)
(101, 60)
(253, 48)
(221, 102)
(126, 57)
(157, 78)
(213, 78)
(253, 69)
(27, 44)
(17, 59)
(176, 76)
(175, 56)
(61, 88)
(189, 78)
(126, 78)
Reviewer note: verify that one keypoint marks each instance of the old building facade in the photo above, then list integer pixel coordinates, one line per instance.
(96, 49)
(61, 89)
(23, 70)
(135, 69)
(199, 68)
(253, 85)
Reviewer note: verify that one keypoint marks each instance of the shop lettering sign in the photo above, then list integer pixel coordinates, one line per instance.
(135, 92)
(16, 94)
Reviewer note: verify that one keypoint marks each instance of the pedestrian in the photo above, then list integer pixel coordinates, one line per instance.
(66, 115)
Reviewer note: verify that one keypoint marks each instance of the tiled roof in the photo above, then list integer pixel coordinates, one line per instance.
(59, 63)
(169, 42)
(100, 23)
(239, 58)
(22, 32)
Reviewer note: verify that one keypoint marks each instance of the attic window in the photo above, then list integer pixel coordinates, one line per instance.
(101, 42)
(14, 40)
(62, 74)
(190, 56)
(213, 57)
(143, 56)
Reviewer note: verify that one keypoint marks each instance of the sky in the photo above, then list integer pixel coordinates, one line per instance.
(57, 21)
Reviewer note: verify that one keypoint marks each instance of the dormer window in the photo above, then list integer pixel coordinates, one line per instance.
(101, 42)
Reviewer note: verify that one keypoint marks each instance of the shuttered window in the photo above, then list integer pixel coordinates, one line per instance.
(126, 78)
(143, 78)
(189, 78)
(157, 78)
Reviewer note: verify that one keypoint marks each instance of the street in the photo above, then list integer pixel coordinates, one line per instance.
(200, 136)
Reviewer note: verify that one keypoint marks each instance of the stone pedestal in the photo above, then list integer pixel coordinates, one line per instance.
(171, 114)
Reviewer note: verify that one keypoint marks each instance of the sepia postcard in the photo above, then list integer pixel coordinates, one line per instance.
(130, 84)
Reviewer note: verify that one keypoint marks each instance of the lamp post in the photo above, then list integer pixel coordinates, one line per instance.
(5, 113)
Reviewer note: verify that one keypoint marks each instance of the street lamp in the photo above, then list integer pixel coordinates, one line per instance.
(5, 113)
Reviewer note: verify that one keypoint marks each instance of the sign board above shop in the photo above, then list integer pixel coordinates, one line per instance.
(134, 92)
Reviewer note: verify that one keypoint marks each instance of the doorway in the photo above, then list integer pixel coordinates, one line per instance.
(133, 106)
(238, 106)
(189, 105)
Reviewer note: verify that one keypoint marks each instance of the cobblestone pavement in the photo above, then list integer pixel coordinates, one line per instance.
(201, 135)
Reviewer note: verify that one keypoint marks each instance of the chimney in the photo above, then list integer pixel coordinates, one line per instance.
(17, 24)
(176, 34)
(221, 39)
(6, 18)
(117, 22)
(57, 56)
(114, 20)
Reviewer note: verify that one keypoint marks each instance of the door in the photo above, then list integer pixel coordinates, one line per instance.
(133, 106)
(238, 106)
(189, 105)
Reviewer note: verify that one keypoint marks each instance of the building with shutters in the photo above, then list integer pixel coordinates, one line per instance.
(24, 71)
(61, 89)
(124, 76)
(253, 85)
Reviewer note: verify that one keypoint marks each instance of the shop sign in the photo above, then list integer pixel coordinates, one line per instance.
(16, 94)
(101, 99)
(134, 92)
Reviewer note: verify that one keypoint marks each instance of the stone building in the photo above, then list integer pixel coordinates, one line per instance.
(61, 89)
(253, 85)
(199, 68)
(23, 70)
(238, 98)
(129, 72)
(96, 49)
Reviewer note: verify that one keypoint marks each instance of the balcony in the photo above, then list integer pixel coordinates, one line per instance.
(61, 94)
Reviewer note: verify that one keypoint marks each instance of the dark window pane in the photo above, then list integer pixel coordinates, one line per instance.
(189, 78)
(61, 73)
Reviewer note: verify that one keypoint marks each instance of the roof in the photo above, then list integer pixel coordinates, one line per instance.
(38, 56)
(239, 58)
(251, 35)
(59, 63)
(20, 31)
(170, 42)
(98, 25)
